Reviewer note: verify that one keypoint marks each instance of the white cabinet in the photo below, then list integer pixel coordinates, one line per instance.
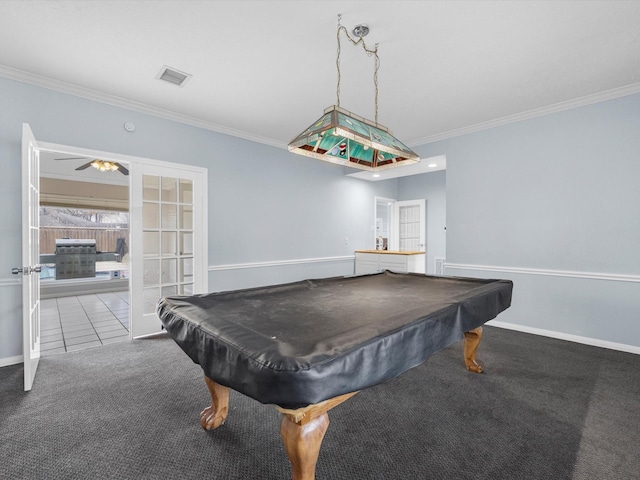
(372, 261)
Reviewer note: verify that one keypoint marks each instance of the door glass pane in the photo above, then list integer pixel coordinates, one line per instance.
(149, 215)
(151, 272)
(186, 217)
(150, 190)
(186, 243)
(151, 243)
(186, 270)
(169, 243)
(169, 270)
(186, 191)
(169, 189)
(151, 297)
(169, 216)
(172, 290)
(167, 221)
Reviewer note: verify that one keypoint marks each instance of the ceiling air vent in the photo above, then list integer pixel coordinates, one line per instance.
(174, 76)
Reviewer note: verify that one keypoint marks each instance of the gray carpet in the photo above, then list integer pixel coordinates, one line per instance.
(545, 409)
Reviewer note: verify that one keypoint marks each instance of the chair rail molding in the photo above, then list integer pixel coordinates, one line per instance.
(595, 276)
(11, 282)
(547, 272)
(280, 263)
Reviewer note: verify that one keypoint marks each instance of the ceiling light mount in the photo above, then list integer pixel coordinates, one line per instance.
(360, 31)
(345, 138)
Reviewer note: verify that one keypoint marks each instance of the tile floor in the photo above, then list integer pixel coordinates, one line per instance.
(74, 323)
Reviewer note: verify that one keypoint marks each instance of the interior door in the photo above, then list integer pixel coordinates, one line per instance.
(168, 228)
(30, 255)
(409, 226)
(383, 226)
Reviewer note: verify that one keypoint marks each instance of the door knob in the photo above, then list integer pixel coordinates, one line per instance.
(26, 270)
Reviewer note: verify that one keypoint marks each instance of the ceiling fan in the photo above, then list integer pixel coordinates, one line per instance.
(101, 165)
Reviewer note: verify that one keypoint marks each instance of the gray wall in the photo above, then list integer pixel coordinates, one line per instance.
(273, 216)
(553, 203)
(433, 188)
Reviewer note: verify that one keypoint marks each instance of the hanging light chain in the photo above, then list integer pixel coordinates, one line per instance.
(369, 52)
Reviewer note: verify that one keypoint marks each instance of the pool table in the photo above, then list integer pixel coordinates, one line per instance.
(308, 346)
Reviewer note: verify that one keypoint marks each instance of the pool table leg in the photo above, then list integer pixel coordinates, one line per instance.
(302, 431)
(215, 415)
(471, 342)
(302, 443)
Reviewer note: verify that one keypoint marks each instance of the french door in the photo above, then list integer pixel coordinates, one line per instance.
(30, 267)
(168, 243)
(168, 238)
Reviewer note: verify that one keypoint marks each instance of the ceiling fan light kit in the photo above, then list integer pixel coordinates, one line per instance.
(100, 165)
(104, 165)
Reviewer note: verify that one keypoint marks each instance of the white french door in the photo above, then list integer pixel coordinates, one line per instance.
(409, 226)
(30, 267)
(168, 238)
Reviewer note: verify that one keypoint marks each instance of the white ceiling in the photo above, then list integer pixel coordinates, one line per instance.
(265, 70)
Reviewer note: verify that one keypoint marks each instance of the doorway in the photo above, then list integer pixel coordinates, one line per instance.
(84, 258)
(111, 314)
(399, 225)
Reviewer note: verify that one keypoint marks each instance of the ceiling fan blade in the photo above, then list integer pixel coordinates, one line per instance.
(82, 167)
(122, 169)
(71, 158)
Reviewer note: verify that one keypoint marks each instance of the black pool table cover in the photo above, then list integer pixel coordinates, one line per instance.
(301, 343)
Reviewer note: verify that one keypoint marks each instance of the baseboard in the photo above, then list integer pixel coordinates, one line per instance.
(594, 342)
(6, 361)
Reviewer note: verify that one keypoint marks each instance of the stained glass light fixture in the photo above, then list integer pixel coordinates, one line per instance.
(345, 138)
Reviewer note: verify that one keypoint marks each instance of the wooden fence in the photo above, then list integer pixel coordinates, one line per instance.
(105, 237)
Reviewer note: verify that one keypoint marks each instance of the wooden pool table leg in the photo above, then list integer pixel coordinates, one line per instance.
(302, 431)
(215, 415)
(302, 443)
(471, 342)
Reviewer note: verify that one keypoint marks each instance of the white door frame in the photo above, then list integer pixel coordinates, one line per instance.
(421, 203)
(141, 162)
(395, 218)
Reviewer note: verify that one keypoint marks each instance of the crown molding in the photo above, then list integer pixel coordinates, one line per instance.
(537, 112)
(68, 88)
(113, 100)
